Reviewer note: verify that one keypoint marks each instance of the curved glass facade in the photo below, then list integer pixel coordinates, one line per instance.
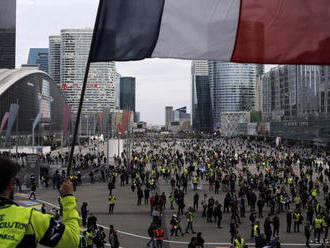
(232, 88)
(35, 92)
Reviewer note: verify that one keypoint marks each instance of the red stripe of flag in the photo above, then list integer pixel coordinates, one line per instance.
(283, 32)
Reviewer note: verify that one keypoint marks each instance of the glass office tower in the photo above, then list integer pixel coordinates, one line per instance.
(232, 88)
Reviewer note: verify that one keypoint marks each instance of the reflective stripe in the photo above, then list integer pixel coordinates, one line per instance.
(159, 234)
(318, 223)
(239, 244)
(255, 227)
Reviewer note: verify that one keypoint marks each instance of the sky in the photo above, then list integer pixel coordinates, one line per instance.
(159, 82)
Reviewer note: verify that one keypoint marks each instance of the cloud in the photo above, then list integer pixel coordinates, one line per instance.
(160, 82)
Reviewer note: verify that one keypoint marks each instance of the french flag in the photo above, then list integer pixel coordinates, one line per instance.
(244, 31)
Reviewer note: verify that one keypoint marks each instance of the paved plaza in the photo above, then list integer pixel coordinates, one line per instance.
(132, 221)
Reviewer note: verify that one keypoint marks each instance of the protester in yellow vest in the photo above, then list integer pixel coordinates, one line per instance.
(317, 228)
(239, 242)
(26, 227)
(112, 202)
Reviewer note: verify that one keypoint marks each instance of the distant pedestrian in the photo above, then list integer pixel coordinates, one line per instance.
(113, 237)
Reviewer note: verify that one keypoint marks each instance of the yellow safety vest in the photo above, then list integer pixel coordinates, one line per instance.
(314, 192)
(112, 200)
(296, 217)
(190, 217)
(239, 244)
(89, 241)
(14, 221)
(195, 180)
(255, 231)
(318, 223)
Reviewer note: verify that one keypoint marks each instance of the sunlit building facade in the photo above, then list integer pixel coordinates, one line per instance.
(75, 45)
(232, 88)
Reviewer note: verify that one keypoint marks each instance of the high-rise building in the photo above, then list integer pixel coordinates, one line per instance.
(75, 45)
(117, 91)
(137, 117)
(203, 110)
(258, 92)
(7, 33)
(232, 88)
(39, 57)
(200, 70)
(169, 117)
(54, 58)
(127, 93)
(292, 92)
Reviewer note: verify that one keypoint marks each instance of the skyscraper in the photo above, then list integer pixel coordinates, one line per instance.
(296, 92)
(232, 88)
(75, 45)
(39, 57)
(54, 58)
(168, 115)
(203, 117)
(127, 93)
(201, 103)
(7, 33)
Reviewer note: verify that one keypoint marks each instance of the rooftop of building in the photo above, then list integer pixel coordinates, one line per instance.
(8, 77)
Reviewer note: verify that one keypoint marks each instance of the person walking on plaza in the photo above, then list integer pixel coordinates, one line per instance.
(195, 182)
(151, 233)
(159, 234)
(233, 229)
(89, 238)
(146, 195)
(276, 224)
(317, 228)
(196, 199)
(252, 220)
(171, 200)
(190, 219)
(33, 190)
(112, 202)
(113, 237)
(199, 240)
(239, 242)
(288, 220)
(325, 224)
(34, 227)
(84, 212)
(307, 232)
(268, 228)
(296, 220)
(91, 221)
(256, 231)
(139, 195)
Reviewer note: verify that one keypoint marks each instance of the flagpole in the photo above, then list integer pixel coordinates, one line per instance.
(83, 90)
(17, 134)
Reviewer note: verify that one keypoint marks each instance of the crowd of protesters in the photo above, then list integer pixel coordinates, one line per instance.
(252, 182)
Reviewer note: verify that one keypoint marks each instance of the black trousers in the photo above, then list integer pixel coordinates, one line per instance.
(288, 226)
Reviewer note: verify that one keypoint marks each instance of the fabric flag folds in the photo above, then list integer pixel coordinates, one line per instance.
(249, 31)
(36, 121)
(99, 122)
(13, 110)
(3, 122)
